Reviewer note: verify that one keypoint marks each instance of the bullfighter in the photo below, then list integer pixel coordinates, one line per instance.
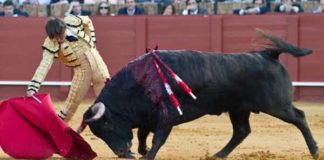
(72, 40)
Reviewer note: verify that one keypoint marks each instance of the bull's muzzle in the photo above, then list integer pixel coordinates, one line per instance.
(124, 152)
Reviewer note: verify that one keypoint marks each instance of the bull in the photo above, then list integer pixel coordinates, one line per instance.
(239, 84)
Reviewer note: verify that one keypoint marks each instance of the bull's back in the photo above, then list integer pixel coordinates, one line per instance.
(222, 82)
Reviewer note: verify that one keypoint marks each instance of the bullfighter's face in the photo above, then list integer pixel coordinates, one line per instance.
(61, 37)
(113, 135)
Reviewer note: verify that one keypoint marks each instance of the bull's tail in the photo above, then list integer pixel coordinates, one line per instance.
(277, 46)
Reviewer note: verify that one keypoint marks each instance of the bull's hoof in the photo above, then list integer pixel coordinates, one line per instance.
(144, 158)
(316, 156)
(219, 156)
(132, 153)
(143, 151)
(128, 155)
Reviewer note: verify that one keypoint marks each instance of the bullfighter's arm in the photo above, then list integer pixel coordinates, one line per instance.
(76, 26)
(90, 31)
(50, 50)
(83, 27)
(88, 27)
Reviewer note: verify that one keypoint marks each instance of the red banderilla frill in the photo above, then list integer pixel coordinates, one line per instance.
(179, 81)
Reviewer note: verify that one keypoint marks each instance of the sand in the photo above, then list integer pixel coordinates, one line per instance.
(270, 139)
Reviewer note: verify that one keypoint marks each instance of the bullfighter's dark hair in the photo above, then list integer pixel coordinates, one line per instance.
(279, 45)
(54, 27)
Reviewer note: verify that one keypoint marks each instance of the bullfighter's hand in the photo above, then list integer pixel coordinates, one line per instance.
(30, 93)
(61, 115)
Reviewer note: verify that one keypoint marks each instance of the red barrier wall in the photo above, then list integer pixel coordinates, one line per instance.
(121, 39)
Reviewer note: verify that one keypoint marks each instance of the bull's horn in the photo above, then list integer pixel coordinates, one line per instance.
(98, 110)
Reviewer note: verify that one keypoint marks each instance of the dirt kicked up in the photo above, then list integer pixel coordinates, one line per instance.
(270, 139)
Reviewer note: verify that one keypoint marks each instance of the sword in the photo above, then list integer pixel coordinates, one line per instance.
(36, 99)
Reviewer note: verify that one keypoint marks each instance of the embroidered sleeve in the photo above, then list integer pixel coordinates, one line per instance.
(89, 28)
(83, 27)
(51, 46)
(82, 35)
(41, 71)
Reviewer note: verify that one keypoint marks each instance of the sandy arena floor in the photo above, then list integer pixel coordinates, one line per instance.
(271, 139)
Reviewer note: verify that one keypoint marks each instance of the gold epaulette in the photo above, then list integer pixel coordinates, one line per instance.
(51, 46)
(73, 21)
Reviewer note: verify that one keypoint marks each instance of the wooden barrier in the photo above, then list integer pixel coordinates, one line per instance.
(121, 39)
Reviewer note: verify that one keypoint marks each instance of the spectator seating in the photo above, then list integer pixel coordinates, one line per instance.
(36, 10)
(150, 8)
(179, 7)
(309, 5)
(227, 8)
(114, 8)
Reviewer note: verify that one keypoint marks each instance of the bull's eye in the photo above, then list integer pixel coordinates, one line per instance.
(105, 126)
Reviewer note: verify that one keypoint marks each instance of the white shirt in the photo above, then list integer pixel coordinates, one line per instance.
(186, 12)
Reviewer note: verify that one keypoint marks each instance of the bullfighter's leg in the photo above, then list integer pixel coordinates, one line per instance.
(241, 129)
(99, 71)
(159, 138)
(142, 134)
(98, 81)
(296, 117)
(80, 85)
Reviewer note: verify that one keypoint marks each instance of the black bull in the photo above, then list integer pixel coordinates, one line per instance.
(235, 83)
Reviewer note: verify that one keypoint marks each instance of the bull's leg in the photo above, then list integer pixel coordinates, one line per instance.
(142, 134)
(159, 138)
(297, 117)
(241, 129)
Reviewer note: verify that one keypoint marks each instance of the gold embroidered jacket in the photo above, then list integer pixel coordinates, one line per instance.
(70, 52)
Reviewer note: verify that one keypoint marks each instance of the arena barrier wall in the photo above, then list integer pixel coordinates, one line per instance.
(121, 39)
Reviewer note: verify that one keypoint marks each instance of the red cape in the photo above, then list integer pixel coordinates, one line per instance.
(32, 130)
